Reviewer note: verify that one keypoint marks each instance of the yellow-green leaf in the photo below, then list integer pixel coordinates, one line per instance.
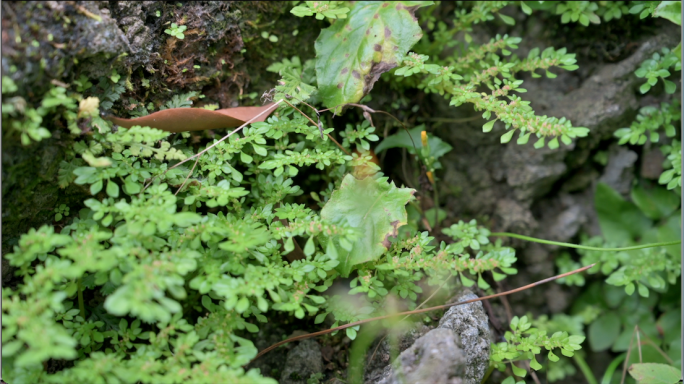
(373, 206)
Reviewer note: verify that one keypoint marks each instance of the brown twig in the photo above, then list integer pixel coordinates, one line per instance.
(629, 351)
(82, 10)
(507, 306)
(417, 311)
(533, 374)
(492, 318)
(187, 177)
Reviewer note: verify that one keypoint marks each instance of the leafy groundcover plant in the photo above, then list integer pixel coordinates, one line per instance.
(187, 243)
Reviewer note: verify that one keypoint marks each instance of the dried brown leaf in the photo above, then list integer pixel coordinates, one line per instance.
(195, 119)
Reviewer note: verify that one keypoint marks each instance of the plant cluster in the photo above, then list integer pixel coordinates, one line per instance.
(523, 342)
(169, 265)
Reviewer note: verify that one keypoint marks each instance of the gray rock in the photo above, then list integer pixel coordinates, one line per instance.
(619, 171)
(471, 324)
(514, 216)
(377, 365)
(436, 358)
(652, 164)
(456, 352)
(511, 187)
(301, 362)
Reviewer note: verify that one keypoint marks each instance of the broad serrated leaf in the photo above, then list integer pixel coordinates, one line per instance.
(374, 207)
(352, 53)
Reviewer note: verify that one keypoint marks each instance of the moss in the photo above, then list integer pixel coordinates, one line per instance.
(29, 189)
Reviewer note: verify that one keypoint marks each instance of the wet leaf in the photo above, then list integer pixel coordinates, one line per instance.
(373, 206)
(353, 52)
(196, 119)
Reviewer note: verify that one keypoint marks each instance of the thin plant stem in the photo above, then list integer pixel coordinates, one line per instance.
(435, 198)
(624, 365)
(636, 328)
(314, 123)
(370, 110)
(569, 245)
(647, 340)
(417, 311)
(584, 367)
(607, 377)
(187, 177)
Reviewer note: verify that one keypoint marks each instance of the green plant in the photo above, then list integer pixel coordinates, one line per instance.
(582, 11)
(175, 31)
(28, 121)
(610, 10)
(654, 216)
(523, 342)
(322, 9)
(61, 212)
(169, 267)
(651, 120)
(657, 67)
(315, 378)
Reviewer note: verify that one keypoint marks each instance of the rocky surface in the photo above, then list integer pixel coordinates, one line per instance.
(456, 352)
(301, 362)
(548, 193)
(377, 365)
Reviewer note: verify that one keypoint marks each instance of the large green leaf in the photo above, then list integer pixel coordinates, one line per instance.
(671, 10)
(352, 53)
(671, 230)
(373, 206)
(604, 331)
(651, 373)
(621, 222)
(655, 202)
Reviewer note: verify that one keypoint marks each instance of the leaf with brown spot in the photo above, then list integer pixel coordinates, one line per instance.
(372, 39)
(373, 206)
(196, 119)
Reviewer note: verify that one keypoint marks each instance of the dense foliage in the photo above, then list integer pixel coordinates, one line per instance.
(162, 274)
